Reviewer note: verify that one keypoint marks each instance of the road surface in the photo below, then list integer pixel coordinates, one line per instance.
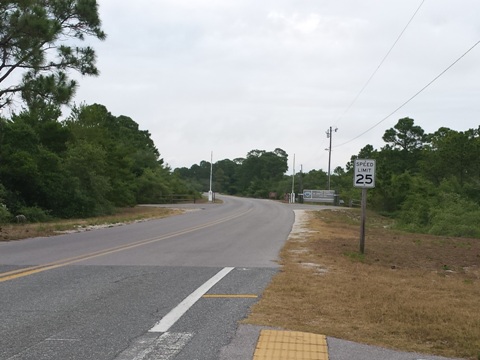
(168, 289)
(175, 286)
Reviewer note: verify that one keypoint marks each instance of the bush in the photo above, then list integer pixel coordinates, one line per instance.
(445, 213)
(415, 214)
(35, 214)
(5, 215)
(456, 216)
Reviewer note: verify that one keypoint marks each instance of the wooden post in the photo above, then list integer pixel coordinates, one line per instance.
(364, 216)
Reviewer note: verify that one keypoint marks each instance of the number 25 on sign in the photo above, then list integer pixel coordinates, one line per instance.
(364, 173)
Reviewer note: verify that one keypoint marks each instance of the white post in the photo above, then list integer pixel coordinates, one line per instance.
(292, 195)
(210, 192)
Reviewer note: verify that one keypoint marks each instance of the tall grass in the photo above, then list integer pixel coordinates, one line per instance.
(409, 292)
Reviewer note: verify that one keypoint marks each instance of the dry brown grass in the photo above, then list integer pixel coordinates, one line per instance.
(409, 292)
(21, 231)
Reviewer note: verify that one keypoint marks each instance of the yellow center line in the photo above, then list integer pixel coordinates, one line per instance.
(230, 296)
(14, 274)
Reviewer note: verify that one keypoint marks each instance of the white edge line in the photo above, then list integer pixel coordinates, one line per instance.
(171, 318)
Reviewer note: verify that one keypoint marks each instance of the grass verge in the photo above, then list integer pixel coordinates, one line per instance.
(125, 215)
(408, 291)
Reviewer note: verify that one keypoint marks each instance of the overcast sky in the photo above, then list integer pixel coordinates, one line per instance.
(230, 76)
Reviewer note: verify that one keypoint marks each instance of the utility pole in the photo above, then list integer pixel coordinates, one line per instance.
(301, 183)
(301, 178)
(329, 136)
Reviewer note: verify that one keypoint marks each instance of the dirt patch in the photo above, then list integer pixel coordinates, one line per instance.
(122, 216)
(408, 291)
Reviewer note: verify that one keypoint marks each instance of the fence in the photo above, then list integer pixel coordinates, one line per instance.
(320, 196)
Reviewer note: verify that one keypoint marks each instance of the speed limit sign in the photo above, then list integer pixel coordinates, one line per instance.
(364, 173)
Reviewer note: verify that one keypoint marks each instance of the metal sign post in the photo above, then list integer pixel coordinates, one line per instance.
(363, 220)
(364, 178)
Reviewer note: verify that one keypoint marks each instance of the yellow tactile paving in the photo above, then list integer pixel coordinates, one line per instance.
(290, 345)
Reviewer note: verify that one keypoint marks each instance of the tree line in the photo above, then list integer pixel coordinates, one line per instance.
(260, 174)
(86, 164)
(93, 161)
(428, 182)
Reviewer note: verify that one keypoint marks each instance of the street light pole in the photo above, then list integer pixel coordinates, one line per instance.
(210, 192)
(292, 195)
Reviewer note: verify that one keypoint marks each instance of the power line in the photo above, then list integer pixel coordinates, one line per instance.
(379, 65)
(414, 96)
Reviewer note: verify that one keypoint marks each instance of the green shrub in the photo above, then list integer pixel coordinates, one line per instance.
(5, 215)
(456, 216)
(35, 214)
(447, 214)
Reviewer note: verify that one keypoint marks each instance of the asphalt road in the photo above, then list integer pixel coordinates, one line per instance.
(164, 289)
(103, 294)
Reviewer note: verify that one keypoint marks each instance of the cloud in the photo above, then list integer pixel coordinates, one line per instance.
(240, 75)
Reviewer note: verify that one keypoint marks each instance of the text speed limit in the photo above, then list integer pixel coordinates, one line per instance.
(364, 176)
